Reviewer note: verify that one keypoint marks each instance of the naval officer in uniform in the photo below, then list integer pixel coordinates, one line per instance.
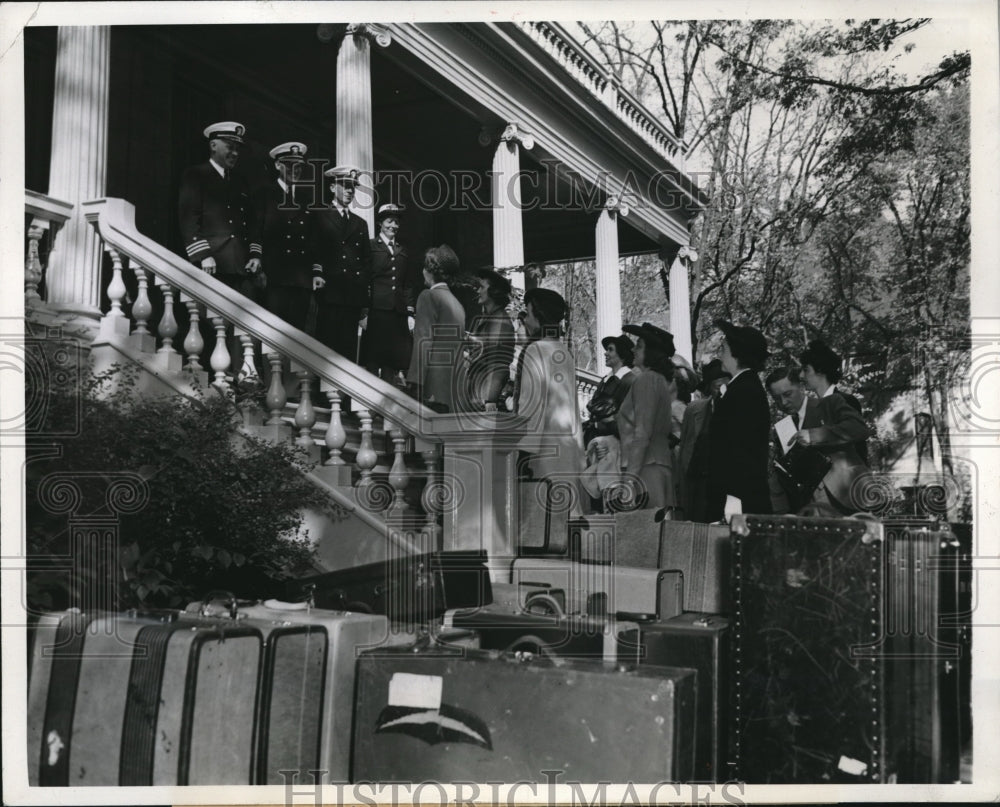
(218, 225)
(288, 235)
(344, 254)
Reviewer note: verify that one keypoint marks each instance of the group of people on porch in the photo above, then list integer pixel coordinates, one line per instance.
(657, 433)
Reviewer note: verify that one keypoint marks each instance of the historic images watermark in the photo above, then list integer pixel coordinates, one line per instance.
(548, 186)
(549, 789)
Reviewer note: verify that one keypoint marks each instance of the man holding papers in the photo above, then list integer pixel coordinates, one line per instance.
(816, 460)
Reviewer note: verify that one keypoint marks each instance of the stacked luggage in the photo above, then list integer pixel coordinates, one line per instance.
(783, 650)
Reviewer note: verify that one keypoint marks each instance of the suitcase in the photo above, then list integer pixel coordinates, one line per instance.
(565, 635)
(307, 686)
(599, 589)
(699, 642)
(807, 705)
(703, 553)
(146, 699)
(542, 520)
(483, 716)
(644, 539)
(408, 589)
(922, 651)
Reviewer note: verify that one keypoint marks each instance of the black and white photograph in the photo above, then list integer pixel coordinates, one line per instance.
(499, 403)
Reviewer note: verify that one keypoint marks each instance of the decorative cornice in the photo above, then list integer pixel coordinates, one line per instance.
(569, 53)
(376, 34)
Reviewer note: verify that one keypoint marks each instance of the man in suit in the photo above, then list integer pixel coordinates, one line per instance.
(832, 426)
(387, 344)
(219, 228)
(738, 440)
(287, 231)
(344, 254)
(692, 455)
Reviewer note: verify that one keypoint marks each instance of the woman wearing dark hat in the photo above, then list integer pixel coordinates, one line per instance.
(692, 454)
(387, 345)
(491, 337)
(438, 331)
(741, 423)
(600, 431)
(821, 372)
(545, 392)
(645, 419)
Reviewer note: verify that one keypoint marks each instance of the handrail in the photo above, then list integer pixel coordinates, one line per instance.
(114, 220)
(47, 208)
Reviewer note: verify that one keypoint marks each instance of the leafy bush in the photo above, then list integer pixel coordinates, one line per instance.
(223, 509)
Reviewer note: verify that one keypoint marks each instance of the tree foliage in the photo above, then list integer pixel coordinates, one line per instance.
(224, 509)
(839, 186)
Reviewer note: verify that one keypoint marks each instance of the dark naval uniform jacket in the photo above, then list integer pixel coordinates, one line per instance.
(288, 237)
(217, 219)
(344, 251)
(394, 285)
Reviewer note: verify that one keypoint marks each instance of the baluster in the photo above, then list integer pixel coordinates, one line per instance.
(168, 323)
(219, 360)
(33, 265)
(142, 308)
(431, 494)
(366, 456)
(336, 436)
(248, 370)
(116, 288)
(193, 343)
(398, 474)
(276, 396)
(305, 414)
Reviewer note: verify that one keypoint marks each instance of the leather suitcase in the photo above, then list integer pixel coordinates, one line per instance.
(700, 642)
(408, 589)
(807, 705)
(922, 651)
(703, 553)
(541, 520)
(148, 699)
(644, 539)
(570, 636)
(483, 716)
(599, 589)
(307, 685)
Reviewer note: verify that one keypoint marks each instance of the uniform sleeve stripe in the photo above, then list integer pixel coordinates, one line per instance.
(255, 248)
(197, 246)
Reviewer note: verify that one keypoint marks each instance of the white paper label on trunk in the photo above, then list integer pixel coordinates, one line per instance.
(417, 691)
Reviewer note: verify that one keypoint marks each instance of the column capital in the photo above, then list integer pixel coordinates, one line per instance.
(511, 133)
(688, 253)
(617, 207)
(374, 33)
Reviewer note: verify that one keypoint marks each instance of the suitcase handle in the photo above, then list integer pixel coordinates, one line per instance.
(220, 594)
(526, 647)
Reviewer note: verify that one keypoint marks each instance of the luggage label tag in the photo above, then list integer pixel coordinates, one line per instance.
(415, 708)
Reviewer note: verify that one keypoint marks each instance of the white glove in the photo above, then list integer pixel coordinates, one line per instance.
(318, 282)
(208, 266)
(410, 322)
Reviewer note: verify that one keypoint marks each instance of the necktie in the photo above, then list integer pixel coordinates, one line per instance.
(345, 215)
(225, 176)
(795, 419)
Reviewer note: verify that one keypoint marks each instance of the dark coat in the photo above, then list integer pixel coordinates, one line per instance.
(217, 219)
(604, 405)
(862, 445)
(738, 447)
(345, 253)
(395, 283)
(492, 337)
(835, 428)
(692, 460)
(289, 239)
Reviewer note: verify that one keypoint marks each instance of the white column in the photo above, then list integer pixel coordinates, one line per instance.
(78, 166)
(608, 320)
(508, 233)
(680, 302)
(354, 110)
